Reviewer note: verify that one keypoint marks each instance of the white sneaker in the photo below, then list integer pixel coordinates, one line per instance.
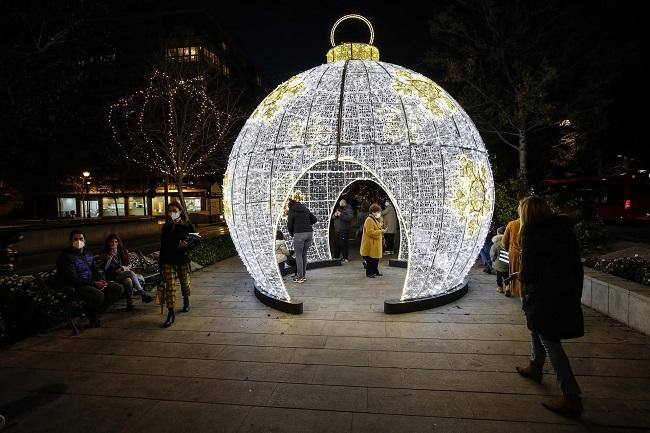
(344, 261)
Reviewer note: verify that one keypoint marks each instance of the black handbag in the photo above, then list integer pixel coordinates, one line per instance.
(192, 240)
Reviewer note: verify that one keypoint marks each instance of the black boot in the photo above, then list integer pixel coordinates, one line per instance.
(129, 305)
(171, 317)
(186, 304)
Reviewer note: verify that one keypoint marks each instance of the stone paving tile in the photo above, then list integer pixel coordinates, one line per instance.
(235, 365)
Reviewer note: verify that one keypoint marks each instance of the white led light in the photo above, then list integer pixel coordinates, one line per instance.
(362, 120)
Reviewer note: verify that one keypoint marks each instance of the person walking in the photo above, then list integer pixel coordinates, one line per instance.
(343, 216)
(115, 262)
(371, 241)
(510, 242)
(76, 269)
(552, 276)
(498, 265)
(174, 259)
(299, 224)
(390, 224)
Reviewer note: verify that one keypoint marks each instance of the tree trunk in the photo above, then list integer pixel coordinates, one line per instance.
(181, 197)
(117, 210)
(523, 165)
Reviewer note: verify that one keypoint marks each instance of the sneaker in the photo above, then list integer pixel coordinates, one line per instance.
(379, 274)
(370, 276)
(295, 278)
(300, 280)
(344, 261)
(499, 289)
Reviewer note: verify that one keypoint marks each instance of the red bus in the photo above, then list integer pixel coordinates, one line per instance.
(615, 198)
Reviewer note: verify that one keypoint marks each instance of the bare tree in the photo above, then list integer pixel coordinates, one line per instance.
(518, 67)
(178, 126)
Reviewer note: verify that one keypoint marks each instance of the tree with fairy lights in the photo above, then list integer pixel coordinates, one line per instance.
(177, 126)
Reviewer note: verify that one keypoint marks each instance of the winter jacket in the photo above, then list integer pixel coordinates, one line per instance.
(77, 268)
(172, 234)
(390, 219)
(495, 249)
(510, 242)
(552, 275)
(300, 219)
(344, 220)
(371, 240)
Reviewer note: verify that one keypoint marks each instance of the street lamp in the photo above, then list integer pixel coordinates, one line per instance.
(86, 181)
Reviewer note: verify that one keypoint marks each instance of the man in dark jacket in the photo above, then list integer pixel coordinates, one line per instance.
(552, 276)
(299, 222)
(344, 215)
(76, 270)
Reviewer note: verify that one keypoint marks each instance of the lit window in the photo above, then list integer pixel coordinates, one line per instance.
(183, 54)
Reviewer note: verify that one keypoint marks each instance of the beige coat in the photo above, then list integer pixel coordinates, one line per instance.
(511, 242)
(371, 241)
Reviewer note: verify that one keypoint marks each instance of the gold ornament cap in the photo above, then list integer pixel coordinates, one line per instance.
(352, 50)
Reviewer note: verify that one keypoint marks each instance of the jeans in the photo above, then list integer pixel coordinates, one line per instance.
(540, 348)
(119, 278)
(301, 244)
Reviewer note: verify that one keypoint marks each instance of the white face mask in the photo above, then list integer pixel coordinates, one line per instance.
(78, 244)
(387, 203)
(174, 215)
(377, 215)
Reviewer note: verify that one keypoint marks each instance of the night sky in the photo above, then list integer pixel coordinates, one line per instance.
(285, 38)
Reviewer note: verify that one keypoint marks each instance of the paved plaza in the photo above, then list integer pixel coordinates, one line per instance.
(235, 365)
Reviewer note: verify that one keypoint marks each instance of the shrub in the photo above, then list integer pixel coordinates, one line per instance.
(212, 250)
(592, 236)
(506, 200)
(630, 268)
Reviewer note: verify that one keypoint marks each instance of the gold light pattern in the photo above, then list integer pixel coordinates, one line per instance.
(435, 99)
(472, 199)
(227, 210)
(352, 51)
(276, 99)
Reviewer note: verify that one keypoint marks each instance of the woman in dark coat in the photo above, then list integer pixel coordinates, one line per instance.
(174, 259)
(551, 273)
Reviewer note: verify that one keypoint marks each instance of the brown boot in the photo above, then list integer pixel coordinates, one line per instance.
(532, 372)
(566, 405)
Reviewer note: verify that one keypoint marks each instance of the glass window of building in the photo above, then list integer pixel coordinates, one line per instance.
(183, 54)
(193, 204)
(89, 209)
(137, 206)
(67, 207)
(113, 206)
(158, 206)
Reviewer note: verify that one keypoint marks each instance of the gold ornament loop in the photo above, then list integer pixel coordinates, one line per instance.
(352, 16)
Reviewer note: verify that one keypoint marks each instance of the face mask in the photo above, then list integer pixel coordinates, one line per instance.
(377, 215)
(174, 215)
(387, 203)
(78, 244)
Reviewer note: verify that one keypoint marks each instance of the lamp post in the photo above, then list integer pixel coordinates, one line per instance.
(86, 185)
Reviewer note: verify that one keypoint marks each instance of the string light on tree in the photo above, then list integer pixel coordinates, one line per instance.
(357, 118)
(174, 126)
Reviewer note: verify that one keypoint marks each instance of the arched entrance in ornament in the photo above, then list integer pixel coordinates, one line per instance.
(320, 187)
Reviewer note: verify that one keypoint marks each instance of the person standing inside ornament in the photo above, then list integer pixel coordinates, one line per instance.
(552, 276)
(390, 225)
(174, 259)
(371, 241)
(299, 223)
(343, 216)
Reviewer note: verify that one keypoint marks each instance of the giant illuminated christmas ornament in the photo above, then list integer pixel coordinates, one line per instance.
(356, 118)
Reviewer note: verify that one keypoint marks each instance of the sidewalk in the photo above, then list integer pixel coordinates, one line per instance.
(235, 365)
